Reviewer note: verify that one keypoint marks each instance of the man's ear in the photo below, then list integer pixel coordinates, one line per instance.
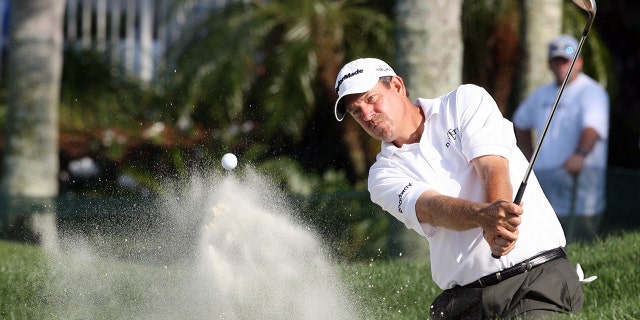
(397, 84)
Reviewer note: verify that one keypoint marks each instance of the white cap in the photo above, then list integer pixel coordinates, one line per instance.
(359, 76)
(563, 46)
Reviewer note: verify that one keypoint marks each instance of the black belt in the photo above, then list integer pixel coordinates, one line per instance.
(519, 268)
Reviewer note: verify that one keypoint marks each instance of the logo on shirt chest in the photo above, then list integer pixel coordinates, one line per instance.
(452, 135)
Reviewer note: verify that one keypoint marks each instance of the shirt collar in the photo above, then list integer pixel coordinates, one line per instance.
(428, 107)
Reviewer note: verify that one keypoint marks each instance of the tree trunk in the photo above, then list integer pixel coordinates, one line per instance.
(429, 48)
(542, 22)
(30, 166)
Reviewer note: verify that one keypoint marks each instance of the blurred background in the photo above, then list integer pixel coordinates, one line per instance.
(103, 100)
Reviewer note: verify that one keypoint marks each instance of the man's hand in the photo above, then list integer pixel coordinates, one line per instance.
(499, 222)
(574, 164)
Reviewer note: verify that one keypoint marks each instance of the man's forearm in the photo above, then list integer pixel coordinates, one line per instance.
(499, 220)
(448, 212)
(588, 139)
(494, 172)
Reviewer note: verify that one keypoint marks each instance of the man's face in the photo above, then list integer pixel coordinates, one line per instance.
(377, 110)
(560, 66)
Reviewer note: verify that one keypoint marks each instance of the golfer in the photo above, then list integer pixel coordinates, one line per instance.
(447, 170)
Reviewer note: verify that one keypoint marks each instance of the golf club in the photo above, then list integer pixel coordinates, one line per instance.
(590, 7)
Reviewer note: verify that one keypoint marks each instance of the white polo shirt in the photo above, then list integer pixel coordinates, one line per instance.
(460, 126)
(584, 103)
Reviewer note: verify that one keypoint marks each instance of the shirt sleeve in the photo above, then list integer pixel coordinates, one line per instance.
(397, 193)
(595, 113)
(522, 118)
(487, 132)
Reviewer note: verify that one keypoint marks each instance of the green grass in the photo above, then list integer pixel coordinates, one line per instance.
(396, 289)
(404, 289)
(22, 271)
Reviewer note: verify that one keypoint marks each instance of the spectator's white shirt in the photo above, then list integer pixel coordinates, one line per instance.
(460, 126)
(584, 103)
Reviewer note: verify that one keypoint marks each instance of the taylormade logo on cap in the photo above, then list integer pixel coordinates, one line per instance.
(358, 76)
(346, 76)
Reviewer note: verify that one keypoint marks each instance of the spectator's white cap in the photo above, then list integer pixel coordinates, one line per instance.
(563, 46)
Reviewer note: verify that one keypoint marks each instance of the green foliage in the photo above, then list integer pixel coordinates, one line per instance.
(288, 175)
(354, 227)
(3, 111)
(269, 63)
(94, 96)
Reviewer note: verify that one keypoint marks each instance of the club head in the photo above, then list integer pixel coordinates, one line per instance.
(590, 7)
(586, 5)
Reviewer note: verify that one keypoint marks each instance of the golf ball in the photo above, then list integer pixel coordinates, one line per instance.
(229, 161)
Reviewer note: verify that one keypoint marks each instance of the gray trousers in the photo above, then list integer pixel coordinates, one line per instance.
(547, 290)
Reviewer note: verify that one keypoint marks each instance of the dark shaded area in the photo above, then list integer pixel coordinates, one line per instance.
(617, 23)
(623, 201)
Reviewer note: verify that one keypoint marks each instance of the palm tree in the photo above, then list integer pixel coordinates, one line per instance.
(543, 22)
(492, 47)
(269, 67)
(30, 165)
(429, 45)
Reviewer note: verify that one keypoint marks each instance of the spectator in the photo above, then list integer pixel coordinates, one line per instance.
(571, 165)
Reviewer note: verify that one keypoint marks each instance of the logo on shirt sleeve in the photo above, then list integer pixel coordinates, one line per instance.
(404, 190)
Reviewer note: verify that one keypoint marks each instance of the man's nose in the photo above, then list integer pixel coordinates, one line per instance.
(367, 114)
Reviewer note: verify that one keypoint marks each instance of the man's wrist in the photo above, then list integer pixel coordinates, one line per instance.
(582, 152)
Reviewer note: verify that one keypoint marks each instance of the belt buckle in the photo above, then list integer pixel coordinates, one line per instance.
(528, 265)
